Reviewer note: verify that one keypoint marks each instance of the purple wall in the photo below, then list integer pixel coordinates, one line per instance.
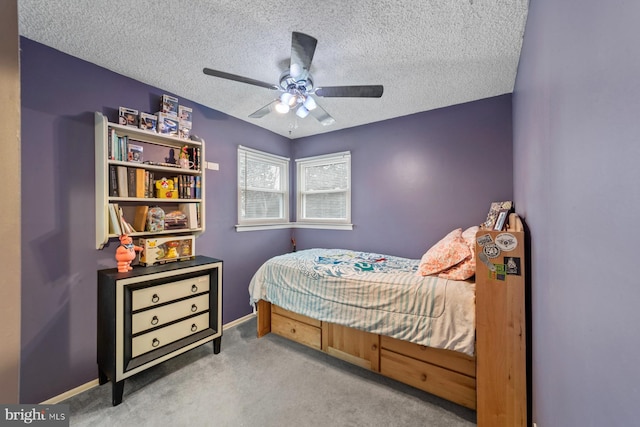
(416, 178)
(576, 156)
(59, 261)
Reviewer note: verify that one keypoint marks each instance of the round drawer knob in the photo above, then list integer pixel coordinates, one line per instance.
(423, 377)
(155, 342)
(155, 298)
(194, 328)
(374, 347)
(194, 288)
(155, 320)
(194, 308)
(293, 330)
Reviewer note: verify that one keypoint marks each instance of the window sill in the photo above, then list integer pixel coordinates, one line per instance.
(319, 226)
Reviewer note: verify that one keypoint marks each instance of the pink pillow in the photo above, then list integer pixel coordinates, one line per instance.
(448, 252)
(467, 268)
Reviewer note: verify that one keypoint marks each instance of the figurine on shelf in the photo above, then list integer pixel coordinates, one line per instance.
(126, 253)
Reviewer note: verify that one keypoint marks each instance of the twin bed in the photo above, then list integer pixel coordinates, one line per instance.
(377, 311)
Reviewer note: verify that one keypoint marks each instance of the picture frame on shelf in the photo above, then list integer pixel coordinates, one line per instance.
(494, 210)
(501, 219)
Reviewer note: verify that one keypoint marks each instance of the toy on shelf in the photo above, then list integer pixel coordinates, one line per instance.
(126, 253)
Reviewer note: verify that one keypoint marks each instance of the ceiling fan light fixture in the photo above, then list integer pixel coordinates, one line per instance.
(295, 70)
(282, 108)
(302, 112)
(285, 98)
(309, 103)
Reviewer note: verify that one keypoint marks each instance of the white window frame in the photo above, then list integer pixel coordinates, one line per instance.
(245, 224)
(301, 164)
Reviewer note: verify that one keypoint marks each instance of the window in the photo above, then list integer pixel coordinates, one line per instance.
(324, 189)
(263, 188)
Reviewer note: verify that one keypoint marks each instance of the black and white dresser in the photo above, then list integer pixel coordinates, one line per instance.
(151, 314)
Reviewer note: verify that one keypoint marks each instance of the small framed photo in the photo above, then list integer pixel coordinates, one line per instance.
(501, 219)
(135, 153)
(495, 209)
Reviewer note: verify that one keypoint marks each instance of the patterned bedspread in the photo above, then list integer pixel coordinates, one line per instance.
(378, 293)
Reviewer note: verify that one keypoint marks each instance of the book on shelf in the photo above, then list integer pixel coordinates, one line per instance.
(135, 182)
(113, 181)
(124, 224)
(198, 184)
(131, 182)
(191, 212)
(140, 217)
(123, 185)
(114, 220)
(140, 182)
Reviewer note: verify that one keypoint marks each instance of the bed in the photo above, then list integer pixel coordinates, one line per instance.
(377, 311)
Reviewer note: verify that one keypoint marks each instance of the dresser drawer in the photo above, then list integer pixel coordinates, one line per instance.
(296, 331)
(167, 335)
(155, 295)
(159, 316)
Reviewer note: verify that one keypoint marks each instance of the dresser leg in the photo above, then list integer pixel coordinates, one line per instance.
(216, 345)
(118, 389)
(102, 377)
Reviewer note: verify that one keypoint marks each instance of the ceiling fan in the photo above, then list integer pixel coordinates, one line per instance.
(296, 85)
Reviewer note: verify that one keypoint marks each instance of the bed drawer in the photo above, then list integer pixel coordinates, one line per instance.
(295, 316)
(452, 360)
(296, 330)
(442, 382)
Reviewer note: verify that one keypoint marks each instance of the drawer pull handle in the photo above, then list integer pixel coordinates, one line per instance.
(194, 328)
(194, 288)
(423, 378)
(155, 342)
(374, 347)
(194, 308)
(293, 330)
(155, 298)
(154, 321)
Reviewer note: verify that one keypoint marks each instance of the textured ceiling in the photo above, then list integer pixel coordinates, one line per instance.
(426, 53)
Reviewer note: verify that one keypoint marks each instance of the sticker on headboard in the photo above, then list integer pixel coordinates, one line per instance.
(499, 274)
(483, 240)
(486, 261)
(506, 241)
(491, 250)
(513, 265)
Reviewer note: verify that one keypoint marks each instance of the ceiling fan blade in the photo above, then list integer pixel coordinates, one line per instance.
(322, 116)
(302, 49)
(241, 79)
(264, 110)
(371, 91)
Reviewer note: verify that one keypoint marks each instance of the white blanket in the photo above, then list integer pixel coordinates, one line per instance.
(377, 293)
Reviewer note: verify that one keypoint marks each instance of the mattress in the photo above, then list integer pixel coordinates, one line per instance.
(378, 293)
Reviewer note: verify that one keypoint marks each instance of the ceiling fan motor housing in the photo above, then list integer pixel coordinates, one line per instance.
(296, 86)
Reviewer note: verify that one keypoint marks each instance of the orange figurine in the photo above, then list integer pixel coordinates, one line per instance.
(126, 253)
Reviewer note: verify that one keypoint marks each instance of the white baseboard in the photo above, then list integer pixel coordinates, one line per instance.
(67, 394)
(91, 384)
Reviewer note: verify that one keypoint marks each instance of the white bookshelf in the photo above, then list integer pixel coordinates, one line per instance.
(103, 197)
